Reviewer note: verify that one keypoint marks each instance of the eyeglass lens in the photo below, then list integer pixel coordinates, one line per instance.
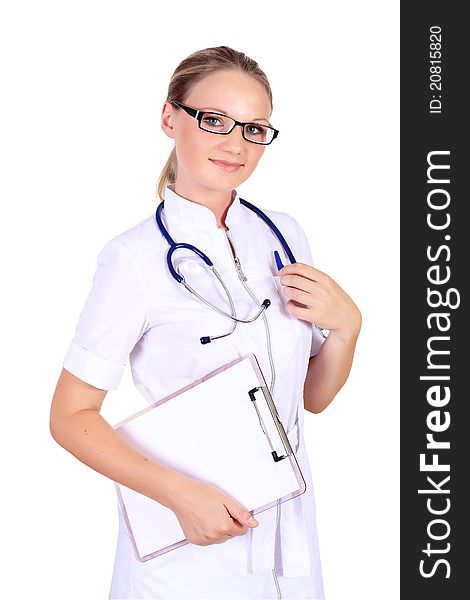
(254, 132)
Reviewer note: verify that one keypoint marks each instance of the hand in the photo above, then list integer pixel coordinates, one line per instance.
(317, 298)
(208, 516)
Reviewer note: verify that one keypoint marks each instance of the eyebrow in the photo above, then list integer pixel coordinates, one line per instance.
(212, 109)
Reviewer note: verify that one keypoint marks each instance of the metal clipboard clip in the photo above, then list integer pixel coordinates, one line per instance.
(280, 428)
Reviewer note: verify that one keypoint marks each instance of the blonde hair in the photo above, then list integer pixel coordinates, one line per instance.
(191, 70)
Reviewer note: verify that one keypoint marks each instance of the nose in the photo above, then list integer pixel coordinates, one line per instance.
(234, 141)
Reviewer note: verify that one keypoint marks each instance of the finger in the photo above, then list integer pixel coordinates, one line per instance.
(304, 270)
(242, 515)
(301, 312)
(238, 529)
(299, 295)
(298, 281)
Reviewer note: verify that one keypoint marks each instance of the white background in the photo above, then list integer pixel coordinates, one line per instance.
(81, 150)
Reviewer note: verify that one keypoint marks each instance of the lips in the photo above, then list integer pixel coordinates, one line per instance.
(225, 165)
(225, 162)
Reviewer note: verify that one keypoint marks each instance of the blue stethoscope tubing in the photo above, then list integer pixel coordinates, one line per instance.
(180, 279)
(175, 246)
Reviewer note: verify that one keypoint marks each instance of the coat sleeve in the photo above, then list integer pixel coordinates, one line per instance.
(303, 254)
(112, 320)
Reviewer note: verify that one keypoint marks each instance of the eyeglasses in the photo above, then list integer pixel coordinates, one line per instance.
(222, 124)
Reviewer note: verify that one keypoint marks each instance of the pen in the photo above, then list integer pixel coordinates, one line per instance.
(278, 260)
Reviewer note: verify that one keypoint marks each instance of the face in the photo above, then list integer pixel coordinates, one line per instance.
(229, 92)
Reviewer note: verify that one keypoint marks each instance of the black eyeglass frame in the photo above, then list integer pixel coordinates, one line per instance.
(198, 114)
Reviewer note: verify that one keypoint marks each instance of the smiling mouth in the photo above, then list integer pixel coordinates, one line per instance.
(225, 162)
(228, 167)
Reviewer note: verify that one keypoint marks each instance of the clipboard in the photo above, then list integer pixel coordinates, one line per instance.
(224, 429)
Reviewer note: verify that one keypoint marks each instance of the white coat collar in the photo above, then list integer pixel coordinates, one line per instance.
(189, 215)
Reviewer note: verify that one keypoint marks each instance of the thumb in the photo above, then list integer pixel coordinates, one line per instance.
(242, 515)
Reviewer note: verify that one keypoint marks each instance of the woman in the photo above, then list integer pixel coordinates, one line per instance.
(136, 308)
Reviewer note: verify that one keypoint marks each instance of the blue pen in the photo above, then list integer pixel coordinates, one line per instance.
(278, 260)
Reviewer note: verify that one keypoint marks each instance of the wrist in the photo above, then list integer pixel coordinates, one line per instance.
(348, 333)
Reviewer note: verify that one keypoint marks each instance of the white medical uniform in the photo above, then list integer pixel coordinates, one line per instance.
(136, 309)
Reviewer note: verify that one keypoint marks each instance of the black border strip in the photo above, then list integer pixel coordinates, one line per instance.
(434, 260)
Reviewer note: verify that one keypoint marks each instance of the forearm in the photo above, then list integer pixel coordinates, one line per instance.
(328, 371)
(91, 439)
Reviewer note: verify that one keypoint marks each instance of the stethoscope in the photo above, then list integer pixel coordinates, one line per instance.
(180, 278)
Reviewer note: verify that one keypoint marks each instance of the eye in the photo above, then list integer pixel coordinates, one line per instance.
(253, 129)
(212, 121)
